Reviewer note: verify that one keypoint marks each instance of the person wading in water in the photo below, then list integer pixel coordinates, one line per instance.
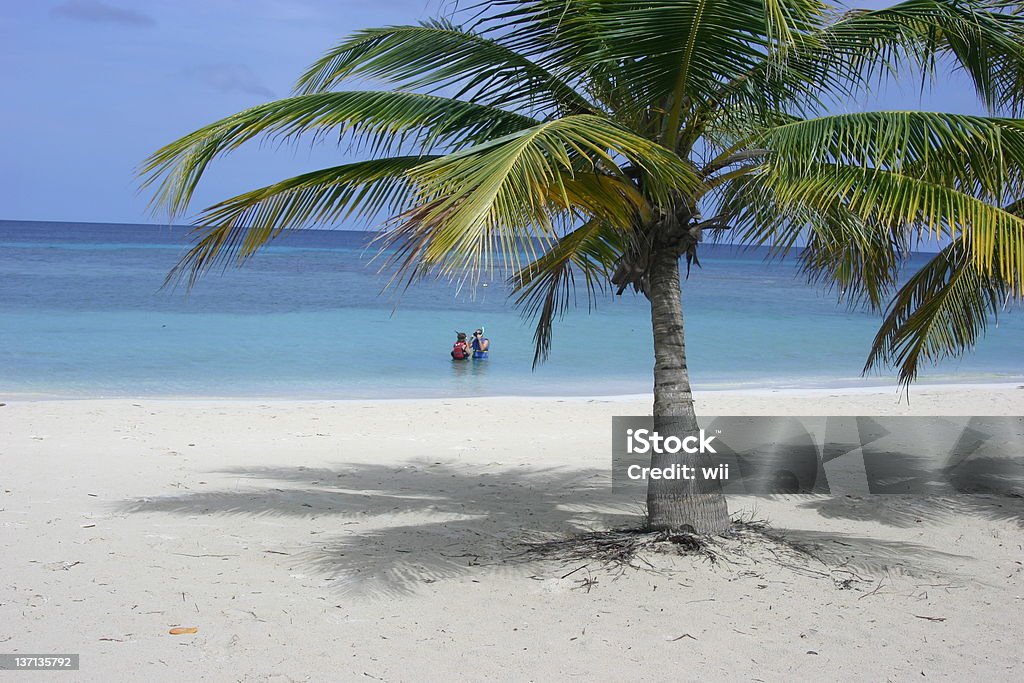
(460, 350)
(481, 344)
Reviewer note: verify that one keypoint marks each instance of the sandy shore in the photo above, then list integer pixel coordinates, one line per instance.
(358, 540)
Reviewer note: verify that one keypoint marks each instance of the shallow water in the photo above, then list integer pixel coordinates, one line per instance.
(82, 313)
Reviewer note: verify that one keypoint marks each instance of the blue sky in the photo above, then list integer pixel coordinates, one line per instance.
(93, 86)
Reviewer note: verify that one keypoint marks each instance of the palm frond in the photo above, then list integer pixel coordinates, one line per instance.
(859, 261)
(670, 54)
(942, 311)
(440, 54)
(545, 288)
(891, 198)
(835, 60)
(511, 191)
(982, 38)
(383, 122)
(896, 171)
(234, 229)
(855, 257)
(973, 154)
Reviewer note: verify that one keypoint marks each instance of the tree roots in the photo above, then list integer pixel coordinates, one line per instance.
(621, 548)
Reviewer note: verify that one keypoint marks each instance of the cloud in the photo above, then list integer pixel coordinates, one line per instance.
(230, 78)
(101, 13)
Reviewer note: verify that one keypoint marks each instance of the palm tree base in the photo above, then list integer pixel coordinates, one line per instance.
(630, 547)
(700, 513)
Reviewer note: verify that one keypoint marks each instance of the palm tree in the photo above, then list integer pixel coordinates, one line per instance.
(599, 141)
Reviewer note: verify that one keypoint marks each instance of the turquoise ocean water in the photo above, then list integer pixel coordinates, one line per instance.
(82, 313)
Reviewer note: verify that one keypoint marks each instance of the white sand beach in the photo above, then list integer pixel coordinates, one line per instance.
(359, 540)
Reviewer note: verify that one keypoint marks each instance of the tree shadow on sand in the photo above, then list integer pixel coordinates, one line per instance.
(990, 488)
(871, 556)
(392, 529)
(388, 530)
(908, 511)
(928, 470)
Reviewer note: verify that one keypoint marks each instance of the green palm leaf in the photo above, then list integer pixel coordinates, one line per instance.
(233, 230)
(982, 38)
(857, 258)
(440, 54)
(978, 155)
(384, 122)
(545, 287)
(941, 311)
(889, 198)
(672, 53)
(836, 60)
(483, 206)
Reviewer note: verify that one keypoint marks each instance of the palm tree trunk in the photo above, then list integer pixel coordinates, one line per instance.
(676, 504)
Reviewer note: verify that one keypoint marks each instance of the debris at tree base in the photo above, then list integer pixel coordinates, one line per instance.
(614, 548)
(626, 547)
(622, 548)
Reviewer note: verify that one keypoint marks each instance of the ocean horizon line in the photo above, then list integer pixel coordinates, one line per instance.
(346, 229)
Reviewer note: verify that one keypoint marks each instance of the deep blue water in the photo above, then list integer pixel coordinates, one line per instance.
(82, 313)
